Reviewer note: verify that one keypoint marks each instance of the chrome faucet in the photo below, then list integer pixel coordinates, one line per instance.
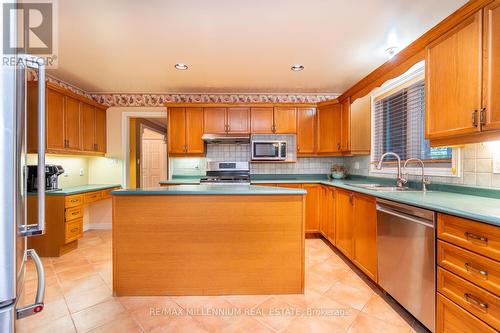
(425, 181)
(400, 180)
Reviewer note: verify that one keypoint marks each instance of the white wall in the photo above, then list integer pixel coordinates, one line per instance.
(72, 166)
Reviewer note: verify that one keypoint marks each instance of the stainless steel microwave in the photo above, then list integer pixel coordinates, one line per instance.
(269, 150)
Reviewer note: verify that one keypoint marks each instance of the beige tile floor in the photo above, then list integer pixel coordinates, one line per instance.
(337, 299)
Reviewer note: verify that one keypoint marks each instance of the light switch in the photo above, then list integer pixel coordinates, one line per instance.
(356, 165)
(81, 172)
(496, 165)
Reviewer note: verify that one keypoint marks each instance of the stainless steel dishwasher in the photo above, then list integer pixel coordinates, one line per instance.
(406, 257)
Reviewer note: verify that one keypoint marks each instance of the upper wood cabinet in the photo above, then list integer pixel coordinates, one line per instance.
(285, 120)
(74, 124)
(262, 120)
(462, 81)
(233, 120)
(345, 125)
(185, 128)
(306, 129)
(360, 126)
(328, 129)
(273, 120)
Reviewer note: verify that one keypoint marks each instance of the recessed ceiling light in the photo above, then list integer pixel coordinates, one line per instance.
(297, 68)
(181, 67)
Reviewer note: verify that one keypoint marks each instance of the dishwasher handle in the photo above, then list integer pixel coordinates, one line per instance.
(405, 216)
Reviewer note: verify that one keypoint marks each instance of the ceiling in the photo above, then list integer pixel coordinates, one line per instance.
(131, 46)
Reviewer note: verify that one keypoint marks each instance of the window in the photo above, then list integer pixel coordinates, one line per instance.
(398, 126)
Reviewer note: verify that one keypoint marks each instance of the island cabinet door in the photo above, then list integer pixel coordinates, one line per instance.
(194, 131)
(453, 81)
(214, 120)
(238, 120)
(312, 206)
(261, 120)
(365, 234)
(285, 120)
(306, 129)
(343, 221)
(176, 131)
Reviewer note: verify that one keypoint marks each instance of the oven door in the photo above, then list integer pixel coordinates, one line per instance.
(266, 150)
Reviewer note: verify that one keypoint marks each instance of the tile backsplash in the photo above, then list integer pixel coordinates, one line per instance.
(476, 167)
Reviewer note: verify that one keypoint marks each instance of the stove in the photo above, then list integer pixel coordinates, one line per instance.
(227, 173)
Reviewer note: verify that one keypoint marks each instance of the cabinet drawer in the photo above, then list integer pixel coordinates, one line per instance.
(105, 194)
(475, 236)
(453, 319)
(473, 267)
(73, 200)
(74, 213)
(92, 197)
(74, 230)
(477, 301)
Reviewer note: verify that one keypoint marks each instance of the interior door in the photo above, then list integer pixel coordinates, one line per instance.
(306, 128)
(88, 127)
(153, 158)
(285, 120)
(238, 120)
(261, 120)
(491, 66)
(72, 123)
(214, 120)
(55, 120)
(453, 81)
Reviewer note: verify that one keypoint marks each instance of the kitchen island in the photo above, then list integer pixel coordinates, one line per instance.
(208, 240)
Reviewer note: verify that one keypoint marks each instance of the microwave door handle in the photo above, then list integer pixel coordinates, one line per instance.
(39, 228)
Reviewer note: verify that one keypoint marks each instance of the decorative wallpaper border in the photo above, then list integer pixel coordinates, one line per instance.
(156, 100)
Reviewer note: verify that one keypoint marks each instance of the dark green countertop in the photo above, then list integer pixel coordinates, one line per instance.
(81, 189)
(210, 190)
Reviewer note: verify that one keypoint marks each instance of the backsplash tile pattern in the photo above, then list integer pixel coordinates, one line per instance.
(477, 167)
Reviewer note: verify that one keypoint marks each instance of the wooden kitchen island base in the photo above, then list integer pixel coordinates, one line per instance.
(208, 244)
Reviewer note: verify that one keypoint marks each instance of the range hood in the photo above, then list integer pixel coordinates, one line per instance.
(226, 139)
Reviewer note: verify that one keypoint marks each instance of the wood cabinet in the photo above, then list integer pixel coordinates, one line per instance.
(345, 125)
(231, 120)
(327, 213)
(365, 235)
(462, 84)
(313, 197)
(273, 120)
(344, 210)
(328, 129)
(306, 129)
(185, 128)
(74, 124)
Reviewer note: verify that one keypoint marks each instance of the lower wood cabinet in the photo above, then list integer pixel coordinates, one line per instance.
(343, 221)
(327, 213)
(365, 234)
(312, 206)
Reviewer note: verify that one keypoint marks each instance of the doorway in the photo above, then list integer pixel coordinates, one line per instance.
(148, 152)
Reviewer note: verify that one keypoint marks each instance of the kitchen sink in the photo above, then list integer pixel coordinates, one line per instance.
(384, 188)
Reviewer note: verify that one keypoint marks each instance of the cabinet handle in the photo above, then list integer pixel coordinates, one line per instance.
(75, 229)
(471, 299)
(74, 200)
(471, 268)
(338, 146)
(482, 116)
(74, 213)
(228, 128)
(298, 148)
(474, 118)
(273, 128)
(475, 237)
(350, 198)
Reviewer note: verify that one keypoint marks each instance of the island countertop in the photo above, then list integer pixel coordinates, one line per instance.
(211, 190)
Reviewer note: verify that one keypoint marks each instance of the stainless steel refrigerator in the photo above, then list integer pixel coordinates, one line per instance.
(13, 191)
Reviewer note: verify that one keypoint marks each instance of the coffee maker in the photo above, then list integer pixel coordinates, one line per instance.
(52, 173)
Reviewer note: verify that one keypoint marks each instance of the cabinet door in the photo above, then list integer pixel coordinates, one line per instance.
(328, 133)
(365, 235)
(55, 120)
(176, 131)
(100, 131)
(491, 67)
(345, 125)
(88, 127)
(214, 120)
(453, 81)
(194, 131)
(306, 128)
(312, 206)
(72, 123)
(330, 223)
(261, 120)
(238, 120)
(285, 120)
(323, 212)
(343, 221)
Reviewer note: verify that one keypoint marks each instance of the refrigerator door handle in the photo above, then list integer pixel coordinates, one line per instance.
(40, 291)
(39, 228)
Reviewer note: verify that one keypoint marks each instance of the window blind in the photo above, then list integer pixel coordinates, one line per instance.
(399, 127)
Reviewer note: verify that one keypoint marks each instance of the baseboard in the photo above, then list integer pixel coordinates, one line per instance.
(98, 226)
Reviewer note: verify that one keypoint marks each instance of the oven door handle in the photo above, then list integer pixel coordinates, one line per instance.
(38, 305)
(414, 219)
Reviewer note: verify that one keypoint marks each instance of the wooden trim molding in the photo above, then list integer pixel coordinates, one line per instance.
(228, 105)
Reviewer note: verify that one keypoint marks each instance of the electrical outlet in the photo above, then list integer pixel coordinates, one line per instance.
(356, 165)
(66, 174)
(496, 165)
(81, 172)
